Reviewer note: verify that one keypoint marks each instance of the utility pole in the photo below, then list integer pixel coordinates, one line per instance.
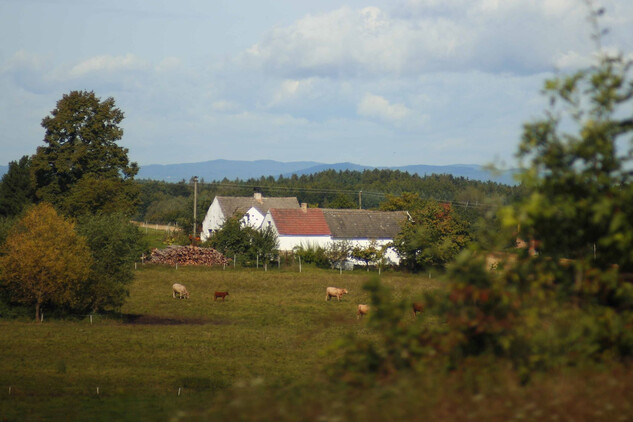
(360, 200)
(195, 206)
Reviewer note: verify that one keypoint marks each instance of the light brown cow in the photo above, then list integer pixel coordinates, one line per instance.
(334, 292)
(181, 290)
(417, 307)
(362, 311)
(220, 294)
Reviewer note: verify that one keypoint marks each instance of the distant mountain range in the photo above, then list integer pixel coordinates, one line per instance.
(217, 170)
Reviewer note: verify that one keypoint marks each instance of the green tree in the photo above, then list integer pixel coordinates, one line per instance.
(406, 201)
(94, 195)
(433, 237)
(264, 243)
(338, 252)
(81, 140)
(232, 239)
(367, 254)
(16, 188)
(45, 261)
(115, 244)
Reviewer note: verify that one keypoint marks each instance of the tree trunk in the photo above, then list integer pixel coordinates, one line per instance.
(37, 310)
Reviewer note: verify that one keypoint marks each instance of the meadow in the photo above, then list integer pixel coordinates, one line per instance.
(263, 355)
(161, 355)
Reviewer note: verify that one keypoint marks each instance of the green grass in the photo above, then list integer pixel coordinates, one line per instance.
(155, 238)
(259, 356)
(272, 327)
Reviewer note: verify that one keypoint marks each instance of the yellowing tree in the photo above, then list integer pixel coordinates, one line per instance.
(44, 261)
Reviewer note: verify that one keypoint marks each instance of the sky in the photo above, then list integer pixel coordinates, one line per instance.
(379, 83)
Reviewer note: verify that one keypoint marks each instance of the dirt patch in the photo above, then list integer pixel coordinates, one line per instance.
(139, 319)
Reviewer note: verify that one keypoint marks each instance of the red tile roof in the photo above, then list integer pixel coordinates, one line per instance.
(308, 222)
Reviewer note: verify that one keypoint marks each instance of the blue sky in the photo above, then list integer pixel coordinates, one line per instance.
(380, 83)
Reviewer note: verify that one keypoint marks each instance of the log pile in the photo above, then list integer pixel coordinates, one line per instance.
(187, 255)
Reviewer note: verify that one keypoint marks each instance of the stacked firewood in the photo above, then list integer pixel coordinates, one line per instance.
(187, 255)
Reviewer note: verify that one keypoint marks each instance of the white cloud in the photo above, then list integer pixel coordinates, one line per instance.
(572, 60)
(107, 64)
(375, 106)
(515, 36)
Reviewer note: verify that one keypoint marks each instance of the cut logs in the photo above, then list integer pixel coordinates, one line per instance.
(187, 255)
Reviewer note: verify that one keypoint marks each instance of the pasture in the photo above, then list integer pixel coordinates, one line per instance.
(162, 355)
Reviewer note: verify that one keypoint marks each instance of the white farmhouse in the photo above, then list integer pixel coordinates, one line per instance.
(251, 209)
(304, 227)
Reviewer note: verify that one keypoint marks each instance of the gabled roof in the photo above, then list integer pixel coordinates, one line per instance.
(237, 204)
(300, 222)
(364, 224)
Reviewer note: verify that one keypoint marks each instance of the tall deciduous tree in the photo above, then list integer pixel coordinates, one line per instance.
(81, 140)
(44, 261)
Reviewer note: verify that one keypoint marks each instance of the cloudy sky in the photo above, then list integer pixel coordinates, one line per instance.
(383, 83)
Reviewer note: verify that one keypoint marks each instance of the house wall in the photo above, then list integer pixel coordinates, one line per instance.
(253, 218)
(212, 220)
(288, 243)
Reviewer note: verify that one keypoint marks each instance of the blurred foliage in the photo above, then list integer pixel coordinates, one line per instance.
(563, 300)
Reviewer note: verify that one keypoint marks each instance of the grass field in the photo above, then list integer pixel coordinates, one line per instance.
(272, 329)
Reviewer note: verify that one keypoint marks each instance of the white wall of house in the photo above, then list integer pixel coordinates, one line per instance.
(213, 220)
(288, 243)
(253, 218)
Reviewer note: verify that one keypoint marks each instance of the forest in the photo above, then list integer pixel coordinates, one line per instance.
(162, 202)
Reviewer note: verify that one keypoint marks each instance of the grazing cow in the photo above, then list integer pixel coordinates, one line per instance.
(220, 294)
(181, 290)
(334, 292)
(362, 311)
(417, 307)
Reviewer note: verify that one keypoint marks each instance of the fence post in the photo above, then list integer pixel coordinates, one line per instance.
(299, 263)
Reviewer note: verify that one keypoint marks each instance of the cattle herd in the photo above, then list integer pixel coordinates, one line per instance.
(330, 292)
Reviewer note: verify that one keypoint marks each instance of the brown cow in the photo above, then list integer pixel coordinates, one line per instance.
(362, 311)
(220, 294)
(334, 292)
(417, 307)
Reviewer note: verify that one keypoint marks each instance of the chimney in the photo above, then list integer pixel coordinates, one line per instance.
(304, 207)
(258, 197)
